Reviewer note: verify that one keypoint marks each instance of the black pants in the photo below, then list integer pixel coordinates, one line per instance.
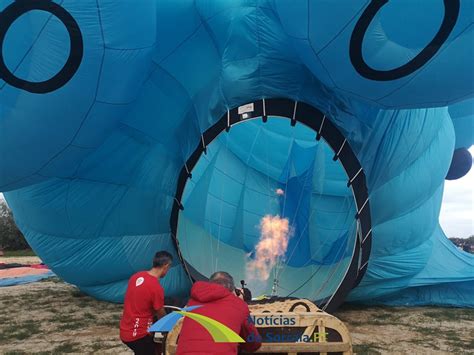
(143, 346)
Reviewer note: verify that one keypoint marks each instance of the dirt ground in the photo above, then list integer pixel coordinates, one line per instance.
(52, 317)
(409, 330)
(29, 260)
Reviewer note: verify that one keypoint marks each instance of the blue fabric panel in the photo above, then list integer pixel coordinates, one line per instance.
(90, 168)
(13, 281)
(296, 206)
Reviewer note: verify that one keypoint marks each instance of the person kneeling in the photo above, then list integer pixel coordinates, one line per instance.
(144, 300)
(219, 302)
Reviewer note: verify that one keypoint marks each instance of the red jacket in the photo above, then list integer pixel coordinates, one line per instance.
(224, 306)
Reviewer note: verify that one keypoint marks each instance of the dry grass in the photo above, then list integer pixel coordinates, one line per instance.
(416, 330)
(18, 253)
(52, 317)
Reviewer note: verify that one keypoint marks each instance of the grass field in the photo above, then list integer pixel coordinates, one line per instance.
(52, 317)
(17, 253)
(409, 330)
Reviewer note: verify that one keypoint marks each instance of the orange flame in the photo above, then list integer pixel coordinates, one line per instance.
(274, 236)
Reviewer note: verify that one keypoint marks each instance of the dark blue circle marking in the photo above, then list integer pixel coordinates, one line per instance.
(451, 13)
(19, 8)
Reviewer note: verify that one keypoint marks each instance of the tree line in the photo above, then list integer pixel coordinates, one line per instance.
(466, 244)
(10, 236)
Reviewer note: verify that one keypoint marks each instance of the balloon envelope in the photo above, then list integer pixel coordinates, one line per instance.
(103, 103)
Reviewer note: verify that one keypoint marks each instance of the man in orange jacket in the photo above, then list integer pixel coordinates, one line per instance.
(219, 302)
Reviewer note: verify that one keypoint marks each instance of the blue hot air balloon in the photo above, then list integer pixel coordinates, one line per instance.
(127, 127)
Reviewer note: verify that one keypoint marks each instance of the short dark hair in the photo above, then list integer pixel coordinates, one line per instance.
(224, 279)
(162, 258)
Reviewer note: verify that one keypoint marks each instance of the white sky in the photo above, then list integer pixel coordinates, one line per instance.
(457, 209)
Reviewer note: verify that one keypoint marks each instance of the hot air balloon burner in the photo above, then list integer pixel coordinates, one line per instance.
(289, 325)
(323, 127)
(247, 294)
(275, 287)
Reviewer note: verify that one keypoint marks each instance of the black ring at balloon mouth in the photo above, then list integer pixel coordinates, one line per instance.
(18, 8)
(316, 120)
(451, 13)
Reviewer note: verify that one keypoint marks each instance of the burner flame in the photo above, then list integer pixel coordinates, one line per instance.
(272, 246)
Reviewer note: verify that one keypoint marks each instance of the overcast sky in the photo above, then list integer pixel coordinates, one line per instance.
(457, 210)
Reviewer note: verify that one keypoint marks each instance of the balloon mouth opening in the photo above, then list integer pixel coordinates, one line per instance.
(282, 204)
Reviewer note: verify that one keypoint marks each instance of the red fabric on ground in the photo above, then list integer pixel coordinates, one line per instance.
(21, 271)
(39, 266)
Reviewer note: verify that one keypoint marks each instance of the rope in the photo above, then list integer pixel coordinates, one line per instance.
(337, 268)
(220, 213)
(269, 199)
(297, 207)
(314, 273)
(290, 149)
(346, 201)
(354, 177)
(340, 263)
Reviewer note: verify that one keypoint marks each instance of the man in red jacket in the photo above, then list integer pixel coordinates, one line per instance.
(144, 300)
(219, 302)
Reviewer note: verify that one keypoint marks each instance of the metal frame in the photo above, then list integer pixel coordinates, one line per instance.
(323, 127)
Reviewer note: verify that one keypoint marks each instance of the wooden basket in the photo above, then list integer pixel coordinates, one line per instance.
(311, 331)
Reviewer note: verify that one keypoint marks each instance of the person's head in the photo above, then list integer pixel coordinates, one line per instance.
(162, 261)
(224, 279)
